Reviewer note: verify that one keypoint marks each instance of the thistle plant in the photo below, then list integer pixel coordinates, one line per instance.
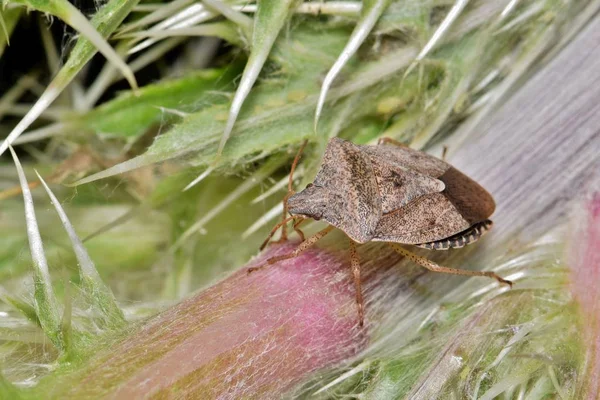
(162, 133)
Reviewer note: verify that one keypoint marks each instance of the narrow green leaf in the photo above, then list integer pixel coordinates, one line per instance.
(186, 18)
(45, 302)
(105, 21)
(93, 286)
(371, 11)
(163, 12)
(240, 19)
(225, 30)
(268, 21)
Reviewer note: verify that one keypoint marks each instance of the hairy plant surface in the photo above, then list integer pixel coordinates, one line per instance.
(160, 134)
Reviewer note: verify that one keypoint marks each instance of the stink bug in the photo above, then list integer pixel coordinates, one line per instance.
(389, 193)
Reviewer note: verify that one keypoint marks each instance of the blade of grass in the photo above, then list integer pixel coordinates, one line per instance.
(106, 20)
(223, 30)
(192, 15)
(240, 19)
(45, 303)
(371, 11)
(93, 286)
(337, 8)
(163, 12)
(268, 21)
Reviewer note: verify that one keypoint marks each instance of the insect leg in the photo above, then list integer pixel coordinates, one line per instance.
(279, 225)
(355, 262)
(430, 265)
(297, 222)
(444, 152)
(301, 247)
(290, 190)
(386, 140)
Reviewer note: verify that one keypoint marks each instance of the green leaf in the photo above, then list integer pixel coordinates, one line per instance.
(101, 296)
(130, 115)
(268, 21)
(45, 302)
(277, 113)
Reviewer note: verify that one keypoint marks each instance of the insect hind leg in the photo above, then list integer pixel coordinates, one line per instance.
(430, 265)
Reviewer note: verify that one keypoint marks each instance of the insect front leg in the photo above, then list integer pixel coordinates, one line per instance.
(430, 265)
(301, 248)
(279, 225)
(290, 190)
(284, 217)
(296, 226)
(355, 262)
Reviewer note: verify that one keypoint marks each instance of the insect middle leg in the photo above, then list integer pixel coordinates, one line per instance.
(301, 248)
(430, 265)
(355, 262)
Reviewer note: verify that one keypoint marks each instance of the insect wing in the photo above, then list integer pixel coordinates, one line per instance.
(426, 219)
(399, 186)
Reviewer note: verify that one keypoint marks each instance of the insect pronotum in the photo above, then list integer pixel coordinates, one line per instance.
(388, 193)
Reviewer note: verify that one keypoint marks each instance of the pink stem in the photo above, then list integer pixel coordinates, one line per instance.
(249, 336)
(585, 265)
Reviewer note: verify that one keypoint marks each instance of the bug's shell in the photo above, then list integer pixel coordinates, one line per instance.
(391, 193)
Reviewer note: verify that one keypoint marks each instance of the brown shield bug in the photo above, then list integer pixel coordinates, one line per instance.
(389, 193)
